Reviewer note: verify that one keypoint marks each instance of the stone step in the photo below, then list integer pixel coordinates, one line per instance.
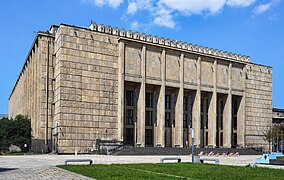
(183, 151)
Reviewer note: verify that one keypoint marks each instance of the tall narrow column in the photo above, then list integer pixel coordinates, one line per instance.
(241, 113)
(213, 110)
(196, 110)
(160, 141)
(228, 113)
(120, 125)
(141, 102)
(179, 107)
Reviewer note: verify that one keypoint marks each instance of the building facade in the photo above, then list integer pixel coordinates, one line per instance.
(278, 116)
(82, 84)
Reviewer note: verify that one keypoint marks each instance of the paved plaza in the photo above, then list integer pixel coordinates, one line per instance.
(43, 166)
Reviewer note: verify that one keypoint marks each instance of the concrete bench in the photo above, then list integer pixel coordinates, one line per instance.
(78, 160)
(209, 159)
(170, 159)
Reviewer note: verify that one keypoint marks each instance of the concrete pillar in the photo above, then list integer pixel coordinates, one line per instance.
(141, 102)
(227, 117)
(120, 91)
(179, 107)
(160, 141)
(212, 114)
(241, 114)
(196, 110)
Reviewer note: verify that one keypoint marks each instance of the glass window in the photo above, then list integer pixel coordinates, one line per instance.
(168, 119)
(129, 117)
(149, 137)
(129, 98)
(168, 102)
(184, 120)
(149, 100)
(222, 107)
(149, 118)
(235, 107)
(190, 110)
(207, 105)
(185, 103)
(175, 101)
(129, 136)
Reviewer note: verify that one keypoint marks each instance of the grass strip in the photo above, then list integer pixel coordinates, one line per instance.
(174, 171)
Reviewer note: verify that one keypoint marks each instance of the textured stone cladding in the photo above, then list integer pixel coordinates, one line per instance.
(258, 103)
(29, 94)
(86, 91)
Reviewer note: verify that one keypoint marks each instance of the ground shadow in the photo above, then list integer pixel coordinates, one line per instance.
(7, 169)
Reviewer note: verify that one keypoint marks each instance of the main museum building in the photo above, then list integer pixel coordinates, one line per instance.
(79, 85)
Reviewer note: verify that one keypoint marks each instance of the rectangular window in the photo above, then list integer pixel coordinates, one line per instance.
(221, 139)
(129, 136)
(168, 119)
(149, 137)
(185, 103)
(185, 120)
(129, 117)
(149, 118)
(235, 123)
(149, 100)
(235, 108)
(175, 101)
(168, 102)
(190, 110)
(129, 98)
(207, 105)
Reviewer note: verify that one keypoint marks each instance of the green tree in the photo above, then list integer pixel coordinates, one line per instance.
(15, 131)
(274, 133)
(4, 138)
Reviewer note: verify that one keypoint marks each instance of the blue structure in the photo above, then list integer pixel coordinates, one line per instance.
(265, 158)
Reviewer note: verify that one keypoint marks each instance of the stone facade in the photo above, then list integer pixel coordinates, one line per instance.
(111, 84)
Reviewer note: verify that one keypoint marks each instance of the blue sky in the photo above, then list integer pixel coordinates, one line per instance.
(249, 27)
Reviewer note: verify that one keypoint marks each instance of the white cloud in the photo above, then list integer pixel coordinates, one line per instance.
(163, 17)
(132, 8)
(240, 3)
(264, 7)
(134, 25)
(163, 12)
(111, 3)
(194, 6)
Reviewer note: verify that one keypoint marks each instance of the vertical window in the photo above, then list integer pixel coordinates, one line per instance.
(206, 115)
(235, 107)
(221, 139)
(184, 120)
(129, 136)
(149, 137)
(168, 119)
(235, 114)
(175, 101)
(149, 118)
(202, 114)
(149, 100)
(190, 110)
(184, 103)
(168, 102)
(129, 98)
(129, 117)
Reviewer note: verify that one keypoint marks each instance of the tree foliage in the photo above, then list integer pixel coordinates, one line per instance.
(275, 132)
(15, 131)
